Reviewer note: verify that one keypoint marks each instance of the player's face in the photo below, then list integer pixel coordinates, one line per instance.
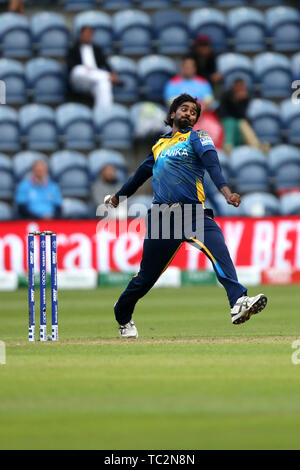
(185, 116)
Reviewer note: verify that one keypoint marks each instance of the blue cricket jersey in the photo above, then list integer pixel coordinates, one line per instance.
(177, 165)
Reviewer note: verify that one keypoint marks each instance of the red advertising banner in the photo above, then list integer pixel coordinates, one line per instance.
(265, 243)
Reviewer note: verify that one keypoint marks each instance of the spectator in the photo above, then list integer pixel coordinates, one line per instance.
(205, 58)
(37, 196)
(189, 82)
(232, 111)
(105, 184)
(16, 6)
(89, 69)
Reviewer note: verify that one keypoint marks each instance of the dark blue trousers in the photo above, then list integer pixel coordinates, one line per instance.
(158, 254)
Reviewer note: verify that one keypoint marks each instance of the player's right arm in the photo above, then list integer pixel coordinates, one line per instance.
(141, 175)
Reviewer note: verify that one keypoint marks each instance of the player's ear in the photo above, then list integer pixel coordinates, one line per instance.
(172, 115)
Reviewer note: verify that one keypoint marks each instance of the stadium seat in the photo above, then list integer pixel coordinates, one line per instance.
(98, 159)
(266, 3)
(46, 80)
(75, 126)
(38, 127)
(290, 204)
(132, 30)
(6, 178)
(154, 4)
(260, 205)
(230, 3)
(126, 69)
(171, 32)
(211, 22)
(113, 128)
(283, 25)
(117, 4)
(15, 37)
(6, 211)
(75, 5)
(273, 74)
(69, 169)
(50, 34)
(249, 169)
(193, 3)
(264, 116)
(295, 66)
(13, 74)
(290, 117)
(9, 129)
(102, 25)
(147, 120)
(246, 26)
(284, 167)
(233, 66)
(226, 210)
(154, 72)
(23, 161)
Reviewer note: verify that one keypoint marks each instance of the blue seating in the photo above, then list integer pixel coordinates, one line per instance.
(69, 169)
(126, 69)
(154, 72)
(75, 5)
(116, 4)
(147, 120)
(246, 26)
(38, 127)
(284, 164)
(264, 116)
(273, 74)
(226, 210)
(98, 159)
(102, 25)
(132, 30)
(233, 66)
(12, 73)
(152, 4)
(6, 178)
(113, 127)
(73, 208)
(9, 129)
(290, 116)
(260, 205)
(283, 24)
(46, 79)
(295, 66)
(211, 22)
(6, 211)
(230, 3)
(75, 126)
(15, 37)
(138, 205)
(193, 3)
(290, 204)
(249, 168)
(50, 34)
(171, 32)
(23, 162)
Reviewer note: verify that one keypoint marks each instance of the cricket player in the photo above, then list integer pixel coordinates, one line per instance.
(177, 164)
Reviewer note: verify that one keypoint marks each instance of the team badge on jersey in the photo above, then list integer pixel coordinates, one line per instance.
(205, 139)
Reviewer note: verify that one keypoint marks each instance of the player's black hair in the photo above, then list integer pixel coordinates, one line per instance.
(184, 98)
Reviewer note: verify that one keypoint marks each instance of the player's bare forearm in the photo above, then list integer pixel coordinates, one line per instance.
(232, 198)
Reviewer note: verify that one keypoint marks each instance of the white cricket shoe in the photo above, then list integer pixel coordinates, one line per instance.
(129, 330)
(246, 306)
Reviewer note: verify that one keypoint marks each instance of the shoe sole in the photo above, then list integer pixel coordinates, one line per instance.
(255, 308)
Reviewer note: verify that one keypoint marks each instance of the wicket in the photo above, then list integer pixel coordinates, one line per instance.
(43, 291)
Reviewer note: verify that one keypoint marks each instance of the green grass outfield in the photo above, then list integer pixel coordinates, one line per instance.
(191, 381)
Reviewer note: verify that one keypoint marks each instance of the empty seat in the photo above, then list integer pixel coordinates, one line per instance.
(152, 4)
(9, 129)
(75, 5)
(171, 32)
(117, 4)
(132, 30)
(283, 24)
(290, 204)
(6, 177)
(295, 66)
(260, 204)
(38, 127)
(12, 73)
(126, 69)
(75, 126)
(23, 162)
(147, 120)
(227, 210)
(69, 169)
(193, 3)
(15, 37)
(246, 26)
(273, 74)
(211, 22)
(284, 164)
(233, 66)
(264, 116)
(113, 127)
(101, 24)
(98, 159)
(6, 211)
(46, 79)
(249, 169)
(75, 209)
(154, 72)
(50, 34)
(290, 116)
(230, 3)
